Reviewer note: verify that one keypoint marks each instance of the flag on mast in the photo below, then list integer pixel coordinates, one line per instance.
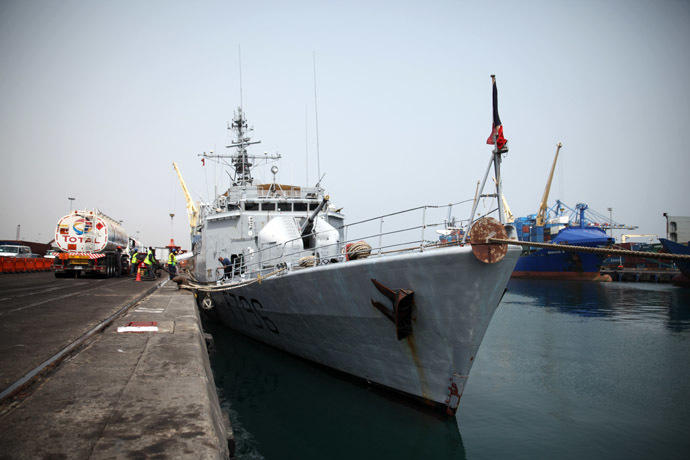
(497, 127)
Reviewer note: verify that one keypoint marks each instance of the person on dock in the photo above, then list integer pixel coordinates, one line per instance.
(118, 262)
(134, 262)
(149, 261)
(172, 263)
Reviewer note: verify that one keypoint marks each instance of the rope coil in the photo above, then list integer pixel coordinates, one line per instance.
(358, 250)
(308, 261)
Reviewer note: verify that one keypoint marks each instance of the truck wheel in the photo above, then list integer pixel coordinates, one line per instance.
(108, 266)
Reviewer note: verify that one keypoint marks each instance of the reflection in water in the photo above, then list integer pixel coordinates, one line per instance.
(574, 370)
(614, 301)
(282, 407)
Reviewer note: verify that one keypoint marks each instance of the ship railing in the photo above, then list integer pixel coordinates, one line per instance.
(386, 235)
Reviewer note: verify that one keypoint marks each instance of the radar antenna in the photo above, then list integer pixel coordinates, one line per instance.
(241, 159)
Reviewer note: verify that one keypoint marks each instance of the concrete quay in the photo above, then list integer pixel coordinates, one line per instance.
(124, 394)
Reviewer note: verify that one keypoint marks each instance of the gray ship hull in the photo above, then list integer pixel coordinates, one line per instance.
(326, 314)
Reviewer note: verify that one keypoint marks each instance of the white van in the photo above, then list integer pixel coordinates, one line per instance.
(14, 250)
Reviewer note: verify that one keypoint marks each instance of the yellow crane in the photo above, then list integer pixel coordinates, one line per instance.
(510, 218)
(192, 209)
(541, 215)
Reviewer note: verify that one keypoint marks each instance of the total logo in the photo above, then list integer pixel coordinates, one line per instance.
(82, 226)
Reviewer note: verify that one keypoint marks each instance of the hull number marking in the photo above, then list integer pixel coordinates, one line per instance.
(249, 308)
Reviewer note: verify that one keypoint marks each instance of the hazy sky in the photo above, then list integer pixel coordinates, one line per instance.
(99, 98)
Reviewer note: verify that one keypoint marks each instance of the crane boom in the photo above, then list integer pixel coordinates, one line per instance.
(192, 210)
(510, 218)
(542, 206)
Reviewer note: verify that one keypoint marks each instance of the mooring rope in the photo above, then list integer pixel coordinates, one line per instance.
(607, 251)
(195, 286)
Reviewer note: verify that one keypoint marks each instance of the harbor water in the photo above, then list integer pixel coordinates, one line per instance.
(567, 370)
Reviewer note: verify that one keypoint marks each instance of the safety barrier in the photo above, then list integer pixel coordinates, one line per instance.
(25, 265)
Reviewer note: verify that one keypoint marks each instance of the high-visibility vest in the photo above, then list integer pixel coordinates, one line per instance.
(148, 260)
(171, 259)
(134, 257)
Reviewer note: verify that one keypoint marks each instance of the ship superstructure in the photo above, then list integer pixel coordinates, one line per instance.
(255, 226)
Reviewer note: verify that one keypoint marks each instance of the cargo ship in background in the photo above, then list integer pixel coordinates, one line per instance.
(561, 229)
(676, 248)
(581, 227)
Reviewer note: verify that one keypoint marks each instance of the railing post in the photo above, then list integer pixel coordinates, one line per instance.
(421, 244)
(381, 237)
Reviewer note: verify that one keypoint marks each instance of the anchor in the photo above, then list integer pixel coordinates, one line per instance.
(401, 313)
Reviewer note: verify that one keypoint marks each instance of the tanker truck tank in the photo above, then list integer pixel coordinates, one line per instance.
(89, 242)
(90, 232)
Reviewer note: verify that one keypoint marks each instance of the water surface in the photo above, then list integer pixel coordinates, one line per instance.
(566, 370)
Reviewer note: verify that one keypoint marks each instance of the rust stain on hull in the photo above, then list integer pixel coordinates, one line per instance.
(420, 370)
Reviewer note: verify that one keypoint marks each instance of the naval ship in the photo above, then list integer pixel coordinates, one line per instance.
(405, 314)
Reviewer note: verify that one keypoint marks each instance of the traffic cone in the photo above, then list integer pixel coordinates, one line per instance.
(138, 273)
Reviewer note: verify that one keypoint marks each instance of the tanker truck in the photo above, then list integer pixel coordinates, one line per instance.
(88, 242)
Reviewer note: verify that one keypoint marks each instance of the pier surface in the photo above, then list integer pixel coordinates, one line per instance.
(120, 394)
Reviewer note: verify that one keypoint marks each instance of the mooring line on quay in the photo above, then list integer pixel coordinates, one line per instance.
(29, 378)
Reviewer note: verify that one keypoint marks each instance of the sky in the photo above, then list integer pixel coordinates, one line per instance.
(99, 98)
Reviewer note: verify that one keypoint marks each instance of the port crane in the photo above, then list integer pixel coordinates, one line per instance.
(192, 209)
(541, 215)
(581, 213)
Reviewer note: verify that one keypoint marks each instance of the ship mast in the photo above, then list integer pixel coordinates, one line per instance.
(496, 162)
(241, 159)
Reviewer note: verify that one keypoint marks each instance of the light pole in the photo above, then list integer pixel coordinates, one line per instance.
(611, 220)
(171, 227)
(70, 204)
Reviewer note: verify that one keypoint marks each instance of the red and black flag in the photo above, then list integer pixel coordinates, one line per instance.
(497, 127)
